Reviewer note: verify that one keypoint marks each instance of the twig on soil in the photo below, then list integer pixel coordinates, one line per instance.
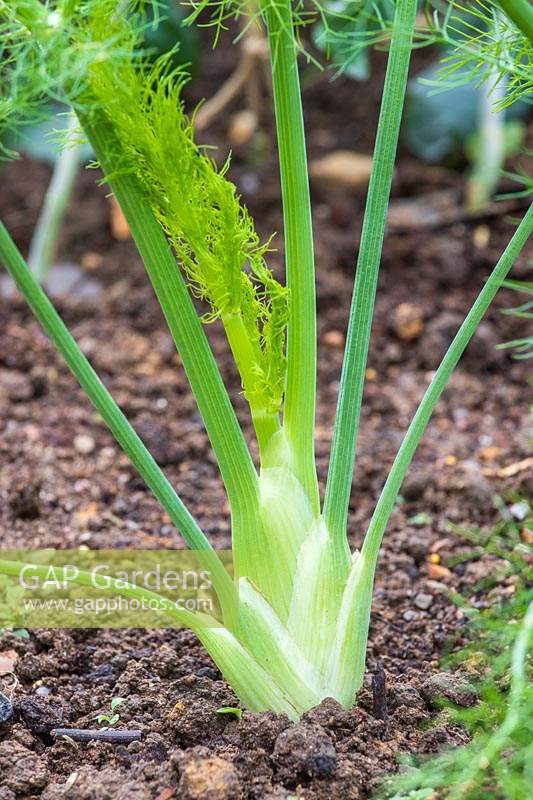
(510, 469)
(89, 735)
(379, 691)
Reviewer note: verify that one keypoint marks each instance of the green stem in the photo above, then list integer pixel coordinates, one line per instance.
(521, 13)
(343, 451)
(44, 240)
(420, 420)
(115, 420)
(266, 424)
(227, 440)
(299, 409)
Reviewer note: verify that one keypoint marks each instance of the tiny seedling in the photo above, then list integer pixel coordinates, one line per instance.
(295, 617)
(107, 721)
(232, 711)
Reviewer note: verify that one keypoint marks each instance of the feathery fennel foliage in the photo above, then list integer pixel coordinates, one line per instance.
(210, 230)
(295, 619)
(497, 762)
(478, 38)
(522, 348)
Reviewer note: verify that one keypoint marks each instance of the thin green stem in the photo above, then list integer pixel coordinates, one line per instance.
(343, 451)
(227, 440)
(44, 240)
(115, 420)
(521, 13)
(266, 424)
(299, 409)
(420, 420)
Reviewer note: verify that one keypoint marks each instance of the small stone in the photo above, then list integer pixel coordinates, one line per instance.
(446, 686)
(43, 691)
(407, 322)
(91, 260)
(437, 572)
(84, 444)
(6, 709)
(242, 127)
(334, 339)
(481, 236)
(409, 615)
(343, 169)
(423, 601)
(208, 778)
(519, 510)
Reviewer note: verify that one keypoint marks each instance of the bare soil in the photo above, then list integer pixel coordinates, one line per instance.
(56, 494)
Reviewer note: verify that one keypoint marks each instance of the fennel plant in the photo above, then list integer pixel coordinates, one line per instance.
(295, 618)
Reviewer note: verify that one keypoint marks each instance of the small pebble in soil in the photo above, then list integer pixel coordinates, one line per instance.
(43, 691)
(6, 709)
(423, 601)
(407, 321)
(409, 615)
(519, 510)
(334, 339)
(84, 444)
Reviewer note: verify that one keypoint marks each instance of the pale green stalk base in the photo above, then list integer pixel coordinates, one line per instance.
(44, 241)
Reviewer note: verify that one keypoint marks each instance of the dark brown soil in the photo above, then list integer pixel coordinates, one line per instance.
(54, 495)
